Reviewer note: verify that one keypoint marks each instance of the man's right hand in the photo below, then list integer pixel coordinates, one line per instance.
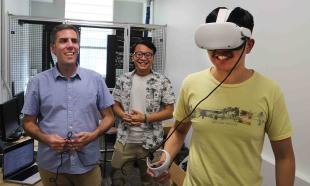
(127, 117)
(56, 142)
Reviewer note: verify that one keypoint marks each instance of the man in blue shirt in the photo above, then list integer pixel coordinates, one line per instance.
(61, 112)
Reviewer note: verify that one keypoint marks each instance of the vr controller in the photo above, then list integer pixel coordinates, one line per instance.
(158, 170)
(221, 34)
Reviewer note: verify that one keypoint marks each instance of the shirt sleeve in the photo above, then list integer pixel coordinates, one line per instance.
(117, 90)
(278, 125)
(32, 101)
(181, 109)
(168, 94)
(105, 98)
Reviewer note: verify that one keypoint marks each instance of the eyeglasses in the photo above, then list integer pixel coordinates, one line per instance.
(147, 55)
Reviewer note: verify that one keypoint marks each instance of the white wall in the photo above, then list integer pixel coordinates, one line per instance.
(16, 7)
(281, 52)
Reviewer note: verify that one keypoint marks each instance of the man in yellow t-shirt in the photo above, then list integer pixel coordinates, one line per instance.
(229, 125)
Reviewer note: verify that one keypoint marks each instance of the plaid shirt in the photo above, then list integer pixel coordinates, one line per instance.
(159, 92)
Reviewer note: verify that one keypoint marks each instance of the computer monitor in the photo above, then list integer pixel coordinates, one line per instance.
(20, 103)
(9, 120)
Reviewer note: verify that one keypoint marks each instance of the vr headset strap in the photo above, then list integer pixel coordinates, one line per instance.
(222, 15)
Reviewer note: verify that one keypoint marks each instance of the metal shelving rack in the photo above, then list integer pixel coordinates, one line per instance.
(25, 45)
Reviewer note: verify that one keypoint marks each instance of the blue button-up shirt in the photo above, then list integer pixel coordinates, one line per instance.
(63, 105)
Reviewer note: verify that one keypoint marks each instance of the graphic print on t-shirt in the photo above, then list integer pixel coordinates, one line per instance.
(230, 115)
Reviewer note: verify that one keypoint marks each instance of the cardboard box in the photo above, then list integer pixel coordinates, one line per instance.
(177, 174)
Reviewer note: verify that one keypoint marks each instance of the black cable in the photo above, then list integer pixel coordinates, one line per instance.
(57, 170)
(151, 151)
(69, 137)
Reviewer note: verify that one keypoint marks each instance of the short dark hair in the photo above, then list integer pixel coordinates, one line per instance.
(147, 43)
(61, 27)
(238, 15)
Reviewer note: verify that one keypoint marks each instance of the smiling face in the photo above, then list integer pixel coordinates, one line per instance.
(143, 58)
(224, 60)
(66, 47)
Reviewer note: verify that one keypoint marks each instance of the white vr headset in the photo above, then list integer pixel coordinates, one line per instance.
(221, 34)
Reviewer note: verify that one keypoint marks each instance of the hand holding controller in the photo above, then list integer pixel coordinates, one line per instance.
(70, 141)
(158, 170)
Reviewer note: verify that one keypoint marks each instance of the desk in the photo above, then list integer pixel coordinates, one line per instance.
(2, 183)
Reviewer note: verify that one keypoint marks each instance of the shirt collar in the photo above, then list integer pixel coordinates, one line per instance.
(134, 71)
(58, 75)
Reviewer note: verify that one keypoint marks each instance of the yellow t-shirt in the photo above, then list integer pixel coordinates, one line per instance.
(229, 128)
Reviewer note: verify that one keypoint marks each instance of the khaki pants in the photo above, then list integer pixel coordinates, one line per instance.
(92, 177)
(130, 153)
